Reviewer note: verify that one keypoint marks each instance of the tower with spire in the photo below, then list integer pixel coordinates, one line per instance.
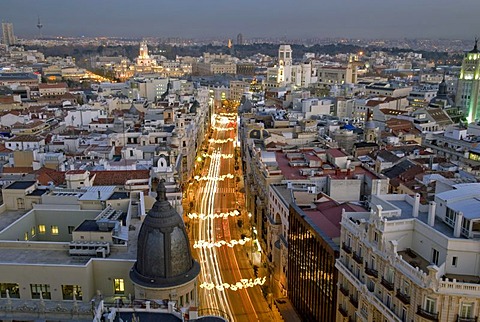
(468, 91)
(39, 26)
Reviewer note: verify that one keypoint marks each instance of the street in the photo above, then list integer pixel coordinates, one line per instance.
(228, 286)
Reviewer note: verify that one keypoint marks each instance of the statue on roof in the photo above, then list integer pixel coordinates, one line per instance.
(161, 191)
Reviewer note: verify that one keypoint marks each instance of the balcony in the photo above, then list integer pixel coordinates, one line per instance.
(357, 258)
(403, 297)
(354, 301)
(388, 285)
(346, 248)
(342, 311)
(427, 315)
(344, 290)
(460, 319)
(371, 272)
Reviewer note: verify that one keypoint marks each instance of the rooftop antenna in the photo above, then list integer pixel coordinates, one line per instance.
(39, 26)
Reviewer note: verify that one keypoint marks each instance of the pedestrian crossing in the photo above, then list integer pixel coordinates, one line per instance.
(220, 190)
(225, 190)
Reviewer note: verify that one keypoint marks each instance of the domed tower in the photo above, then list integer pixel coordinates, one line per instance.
(165, 269)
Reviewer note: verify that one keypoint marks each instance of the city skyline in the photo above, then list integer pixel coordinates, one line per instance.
(202, 19)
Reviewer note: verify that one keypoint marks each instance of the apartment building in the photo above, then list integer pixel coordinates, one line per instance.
(406, 261)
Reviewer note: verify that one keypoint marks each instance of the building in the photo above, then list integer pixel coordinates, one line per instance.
(52, 89)
(144, 63)
(329, 75)
(70, 256)
(312, 277)
(468, 90)
(407, 261)
(237, 89)
(164, 268)
(8, 36)
(240, 39)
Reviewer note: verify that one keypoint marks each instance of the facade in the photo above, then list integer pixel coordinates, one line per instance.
(468, 90)
(329, 76)
(240, 39)
(52, 89)
(70, 256)
(406, 261)
(8, 36)
(312, 277)
(237, 89)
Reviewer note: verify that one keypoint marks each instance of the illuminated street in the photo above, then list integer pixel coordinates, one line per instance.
(228, 286)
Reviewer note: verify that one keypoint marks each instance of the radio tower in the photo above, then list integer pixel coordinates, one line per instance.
(39, 26)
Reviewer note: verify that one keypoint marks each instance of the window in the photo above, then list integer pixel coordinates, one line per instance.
(25, 236)
(454, 261)
(388, 300)
(69, 290)
(406, 288)
(390, 276)
(119, 286)
(33, 231)
(430, 305)
(12, 288)
(373, 263)
(54, 230)
(375, 237)
(41, 229)
(71, 229)
(450, 217)
(435, 255)
(466, 311)
(370, 285)
(404, 315)
(40, 289)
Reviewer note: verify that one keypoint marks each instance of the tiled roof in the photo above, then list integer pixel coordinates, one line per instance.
(46, 175)
(17, 170)
(26, 138)
(328, 214)
(118, 177)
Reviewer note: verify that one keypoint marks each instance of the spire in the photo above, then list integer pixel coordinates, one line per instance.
(475, 48)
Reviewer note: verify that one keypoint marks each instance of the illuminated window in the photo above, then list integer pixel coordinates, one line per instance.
(33, 231)
(119, 286)
(25, 237)
(69, 290)
(41, 229)
(12, 288)
(54, 230)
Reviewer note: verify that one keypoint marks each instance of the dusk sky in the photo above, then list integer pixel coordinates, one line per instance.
(254, 18)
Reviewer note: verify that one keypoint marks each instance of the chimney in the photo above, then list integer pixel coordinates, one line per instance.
(431, 213)
(458, 225)
(416, 205)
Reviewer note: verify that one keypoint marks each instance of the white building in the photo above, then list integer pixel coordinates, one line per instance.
(406, 261)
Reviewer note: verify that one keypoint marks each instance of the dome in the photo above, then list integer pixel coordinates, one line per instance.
(163, 250)
(442, 88)
(370, 125)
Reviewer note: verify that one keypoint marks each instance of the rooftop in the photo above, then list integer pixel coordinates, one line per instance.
(20, 185)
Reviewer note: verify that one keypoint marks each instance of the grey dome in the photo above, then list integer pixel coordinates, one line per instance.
(163, 250)
(370, 125)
